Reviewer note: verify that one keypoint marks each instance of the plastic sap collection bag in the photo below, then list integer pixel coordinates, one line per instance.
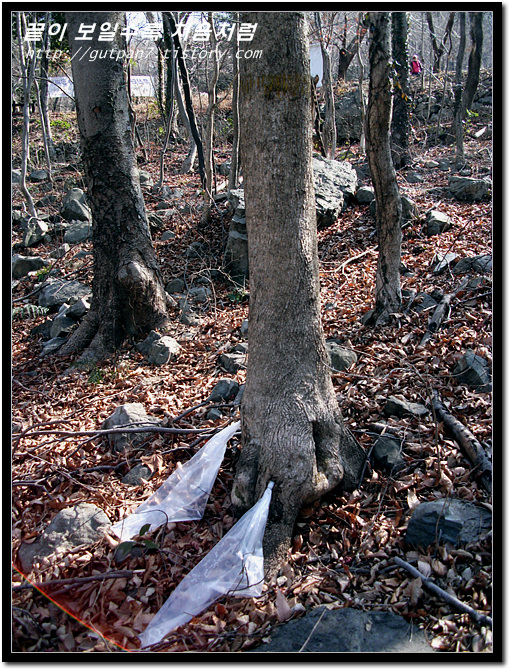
(184, 495)
(235, 565)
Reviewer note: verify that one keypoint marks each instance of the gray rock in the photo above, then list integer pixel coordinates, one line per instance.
(200, 294)
(61, 251)
(137, 474)
(44, 330)
(163, 204)
(196, 250)
(449, 520)
(225, 389)
(365, 195)
(16, 177)
(236, 251)
(387, 453)
(78, 309)
(467, 189)
(442, 262)
(214, 414)
(240, 348)
(56, 292)
(77, 232)
(409, 209)
(398, 406)
(232, 362)
(348, 116)
(167, 235)
(75, 526)
(474, 264)
(224, 168)
(47, 200)
(244, 328)
(38, 175)
(163, 350)
(35, 232)
(74, 206)
(437, 222)
(473, 371)
(414, 178)
(53, 345)
(340, 358)
(347, 630)
(145, 346)
(427, 302)
(236, 200)
(146, 179)
(22, 265)
(335, 184)
(131, 414)
(175, 286)
(155, 222)
(61, 325)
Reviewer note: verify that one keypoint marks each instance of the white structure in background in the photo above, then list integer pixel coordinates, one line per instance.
(141, 87)
(316, 62)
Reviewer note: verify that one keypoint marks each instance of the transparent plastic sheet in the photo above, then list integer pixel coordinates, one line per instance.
(184, 495)
(235, 565)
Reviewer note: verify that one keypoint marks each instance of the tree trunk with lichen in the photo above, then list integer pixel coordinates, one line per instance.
(293, 432)
(388, 295)
(128, 297)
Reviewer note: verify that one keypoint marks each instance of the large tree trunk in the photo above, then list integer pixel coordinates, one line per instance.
(128, 294)
(293, 433)
(475, 59)
(209, 126)
(400, 124)
(388, 296)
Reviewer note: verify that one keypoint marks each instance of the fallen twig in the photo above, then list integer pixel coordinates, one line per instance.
(72, 581)
(481, 619)
(465, 438)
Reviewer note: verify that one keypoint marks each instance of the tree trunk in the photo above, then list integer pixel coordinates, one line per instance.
(362, 103)
(293, 433)
(329, 128)
(475, 59)
(346, 54)
(43, 95)
(400, 124)
(388, 296)
(188, 162)
(128, 296)
(462, 48)
(233, 177)
(27, 71)
(209, 127)
(187, 97)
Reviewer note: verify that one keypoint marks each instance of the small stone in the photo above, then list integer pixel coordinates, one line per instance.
(52, 345)
(244, 328)
(232, 362)
(452, 520)
(61, 251)
(365, 195)
(398, 406)
(35, 232)
(61, 325)
(167, 235)
(437, 222)
(163, 350)
(214, 414)
(474, 264)
(78, 309)
(340, 358)
(472, 370)
(137, 475)
(22, 265)
(129, 414)
(77, 232)
(175, 286)
(387, 453)
(38, 175)
(145, 346)
(443, 261)
(225, 389)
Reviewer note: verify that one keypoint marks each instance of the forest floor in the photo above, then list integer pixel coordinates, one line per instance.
(343, 546)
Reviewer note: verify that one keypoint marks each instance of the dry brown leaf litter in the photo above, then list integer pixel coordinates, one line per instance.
(343, 546)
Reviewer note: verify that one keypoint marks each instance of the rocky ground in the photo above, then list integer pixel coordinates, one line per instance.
(343, 550)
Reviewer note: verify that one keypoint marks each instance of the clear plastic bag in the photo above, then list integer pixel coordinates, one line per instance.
(235, 565)
(184, 495)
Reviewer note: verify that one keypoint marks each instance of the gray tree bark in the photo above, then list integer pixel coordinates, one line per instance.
(475, 59)
(293, 432)
(329, 129)
(128, 294)
(388, 296)
(400, 124)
